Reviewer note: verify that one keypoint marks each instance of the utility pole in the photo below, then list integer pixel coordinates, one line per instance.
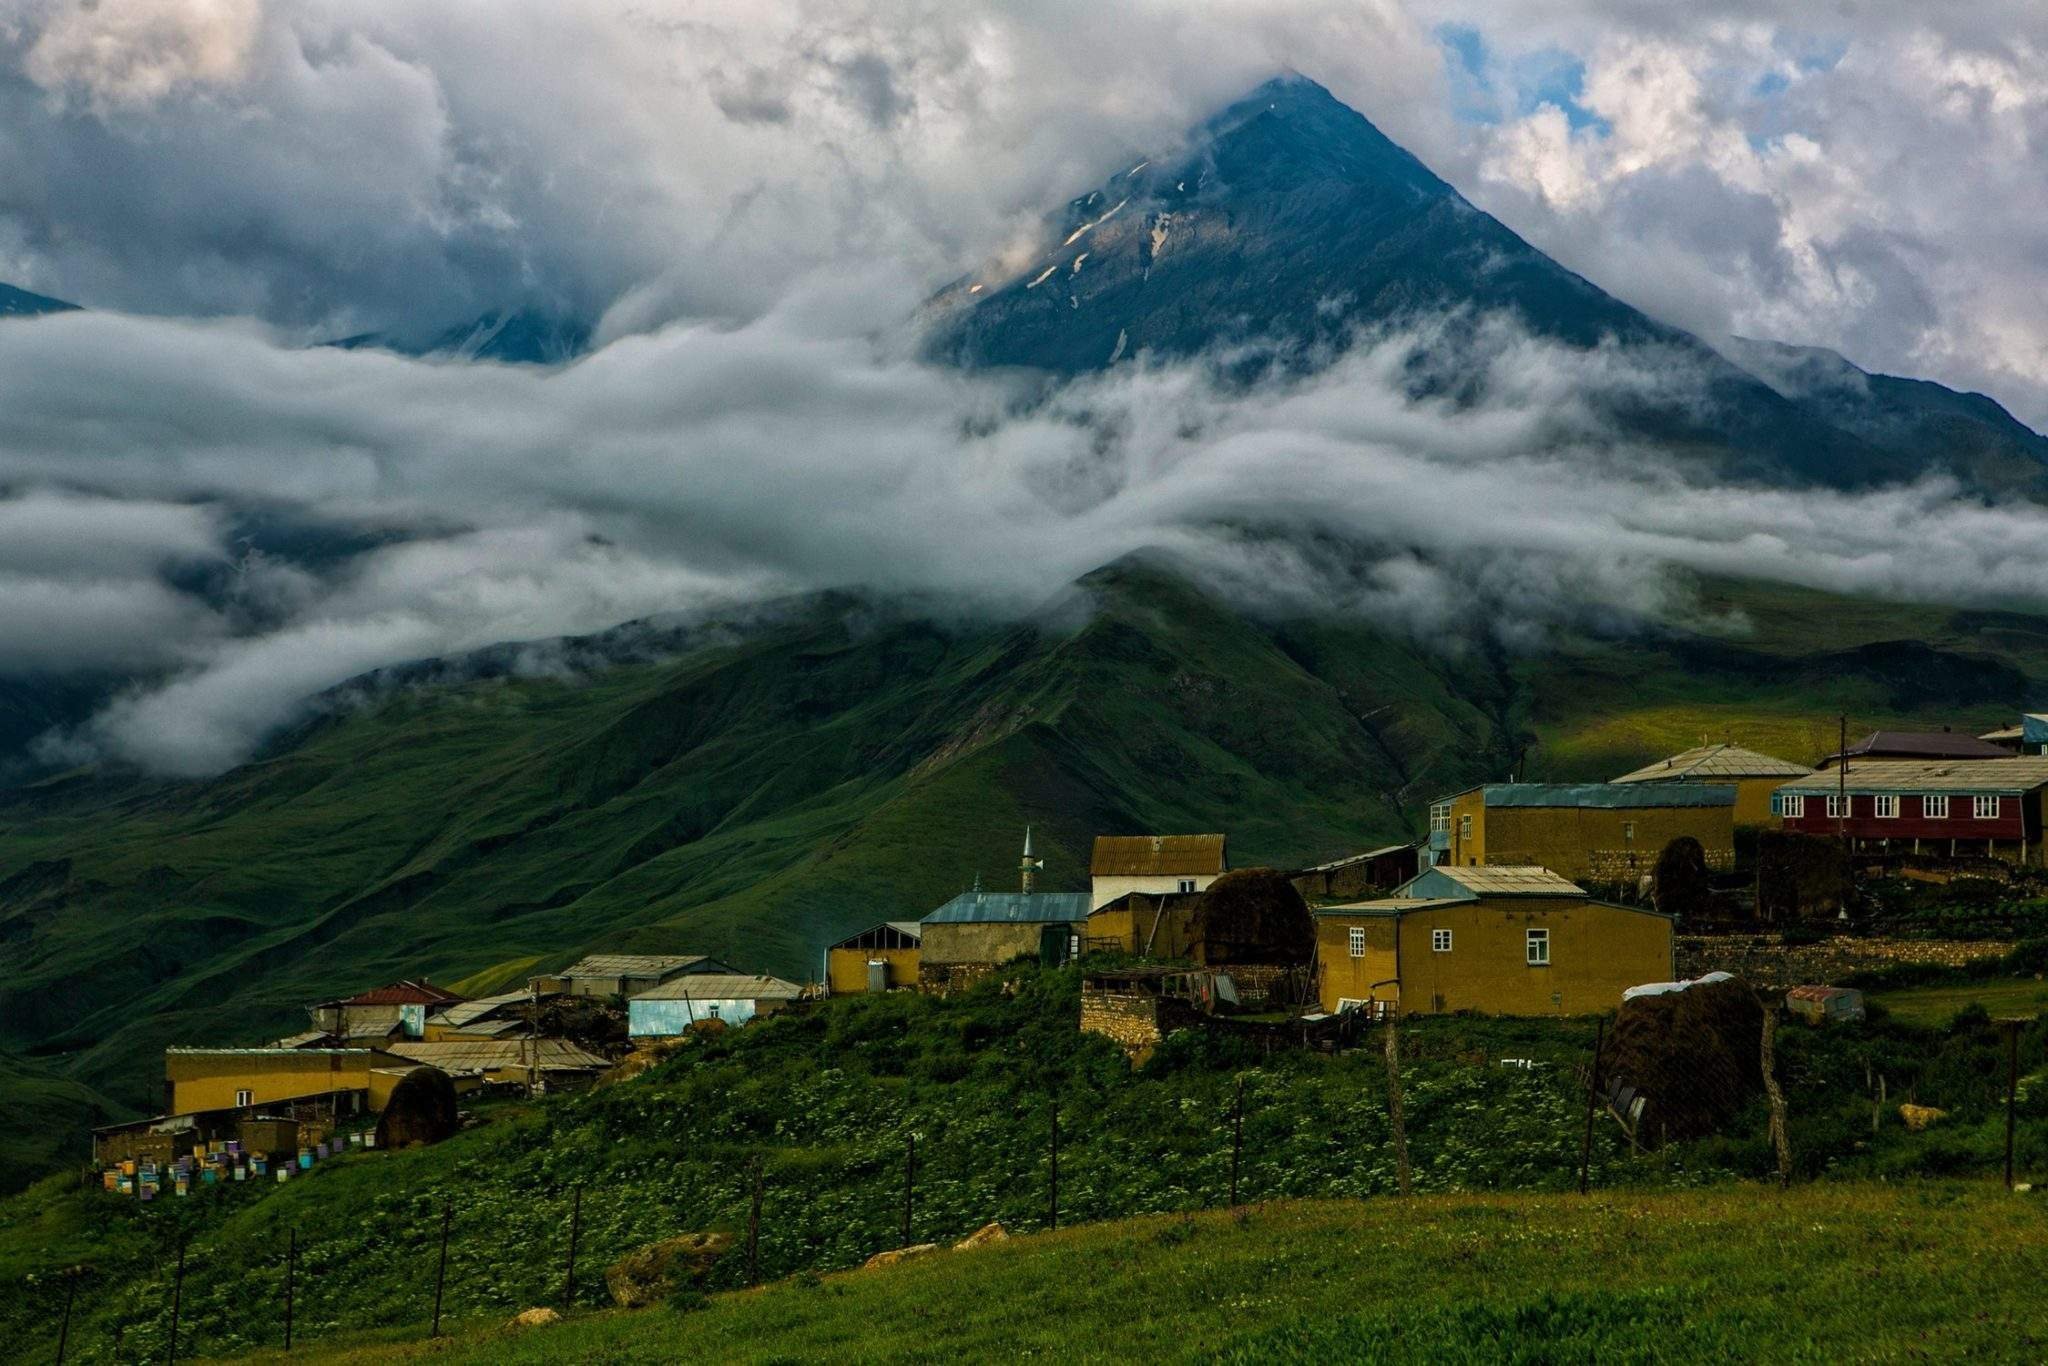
(532, 1033)
(1842, 785)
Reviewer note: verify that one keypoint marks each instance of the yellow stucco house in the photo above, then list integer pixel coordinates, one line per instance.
(1495, 940)
(202, 1079)
(1754, 776)
(882, 957)
(1597, 832)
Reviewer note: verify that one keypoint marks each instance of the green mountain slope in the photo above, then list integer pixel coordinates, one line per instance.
(786, 783)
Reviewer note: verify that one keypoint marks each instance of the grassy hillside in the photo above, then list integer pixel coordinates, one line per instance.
(825, 1101)
(1731, 1274)
(784, 783)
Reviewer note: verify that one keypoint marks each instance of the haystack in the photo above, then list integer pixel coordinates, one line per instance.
(1695, 1054)
(421, 1110)
(1254, 915)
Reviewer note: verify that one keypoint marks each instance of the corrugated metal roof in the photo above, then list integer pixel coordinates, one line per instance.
(1391, 905)
(1921, 744)
(1350, 859)
(478, 1055)
(719, 986)
(467, 1013)
(298, 1042)
(636, 964)
(1608, 796)
(275, 1052)
(2011, 774)
(1715, 761)
(1013, 908)
(1494, 880)
(1156, 855)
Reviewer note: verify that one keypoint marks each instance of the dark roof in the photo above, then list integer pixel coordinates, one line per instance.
(1156, 855)
(1922, 744)
(411, 992)
(1609, 796)
(1015, 908)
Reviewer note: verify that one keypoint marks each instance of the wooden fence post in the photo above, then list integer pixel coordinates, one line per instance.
(1592, 1099)
(1053, 1208)
(2012, 1089)
(1236, 1139)
(64, 1330)
(441, 1267)
(177, 1301)
(575, 1227)
(1400, 1125)
(1781, 1139)
(291, 1268)
(909, 1183)
(754, 1230)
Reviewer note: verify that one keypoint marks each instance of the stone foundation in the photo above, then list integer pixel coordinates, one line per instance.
(1769, 962)
(943, 979)
(1136, 1021)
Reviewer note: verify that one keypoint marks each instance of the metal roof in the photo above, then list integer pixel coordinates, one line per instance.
(720, 986)
(2010, 774)
(411, 992)
(275, 1052)
(465, 1013)
(298, 1042)
(1013, 908)
(909, 929)
(1608, 796)
(1156, 855)
(1350, 859)
(1715, 761)
(637, 965)
(1494, 880)
(1392, 905)
(479, 1055)
(1921, 744)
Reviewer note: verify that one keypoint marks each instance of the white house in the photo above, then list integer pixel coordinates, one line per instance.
(1123, 864)
(733, 999)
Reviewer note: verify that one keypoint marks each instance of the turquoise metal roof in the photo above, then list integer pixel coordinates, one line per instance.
(1609, 796)
(1015, 908)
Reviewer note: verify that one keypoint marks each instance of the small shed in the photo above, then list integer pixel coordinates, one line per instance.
(729, 998)
(883, 957)
(1825, 1005)
(1359, 875)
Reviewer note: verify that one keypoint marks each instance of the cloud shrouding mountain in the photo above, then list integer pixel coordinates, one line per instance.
(703, 464)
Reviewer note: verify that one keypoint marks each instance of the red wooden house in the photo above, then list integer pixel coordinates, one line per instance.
(1978, 806)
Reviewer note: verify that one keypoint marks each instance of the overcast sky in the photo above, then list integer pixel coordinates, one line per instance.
(754, 197)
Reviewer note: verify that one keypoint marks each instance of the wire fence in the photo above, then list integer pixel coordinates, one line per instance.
(1201, 1156)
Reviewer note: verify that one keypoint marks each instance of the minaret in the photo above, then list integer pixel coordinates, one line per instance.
(1029, 866)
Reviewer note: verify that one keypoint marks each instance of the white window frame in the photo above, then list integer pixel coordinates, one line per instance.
(1536, 948)
(1439, 941)
(1934, 806)
(1187, 884)
(244, 1099)
(1355, 941)
(1985, 808)
(1440, 818)
(1834, 806)
(1792, 806)
(1464, 827)
(1887, 804)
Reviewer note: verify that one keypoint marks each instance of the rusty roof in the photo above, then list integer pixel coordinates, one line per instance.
(1156, 855)
(410, 992)
(1715, 761)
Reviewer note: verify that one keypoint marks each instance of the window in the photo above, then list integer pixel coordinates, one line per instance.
(1440, 941)
(1187, 884)
(1834, 806)
(713, 1008)
(1628, 830)
(1539, 948)
(1357, 942)
(1934, 807)
(1440, 818)
(1792, 808)
(1887, 807)
(244, 1099)
(1464, 827)
(1984, 808)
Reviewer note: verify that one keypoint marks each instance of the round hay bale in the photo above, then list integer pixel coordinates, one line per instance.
(421, 1110)
(1254, 915)
(1681, 885)
(1695, 1054)
(653, 1273)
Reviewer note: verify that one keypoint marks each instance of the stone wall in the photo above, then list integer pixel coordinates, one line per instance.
(1769, 962)
(942, 979)
(1135, 1020)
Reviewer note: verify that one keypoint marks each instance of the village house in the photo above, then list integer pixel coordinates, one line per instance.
(1599, 832)
(1495, 940)
(972, 934)
(548, 1064)
(1973, 807)
(628, 974)
(2030, 736)
(732, 999)
(1359, 875)
(883, 957)
(486, 1017)
(1122, 864)
(1915, 745)
(198, 1080)
(1754, 776)
(396, 1011)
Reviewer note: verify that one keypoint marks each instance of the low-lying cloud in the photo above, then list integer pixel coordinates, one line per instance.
(699, 465)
